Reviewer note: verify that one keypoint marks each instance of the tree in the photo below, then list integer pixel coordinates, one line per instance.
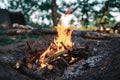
(115, 4)
(86, 13)
(29, 7)
(109, 6)
(87, 10)
(105, 11)
(54, 12)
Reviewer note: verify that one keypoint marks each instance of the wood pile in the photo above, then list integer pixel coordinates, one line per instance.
(56, 62)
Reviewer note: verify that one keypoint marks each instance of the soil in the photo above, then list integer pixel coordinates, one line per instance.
(102, 65)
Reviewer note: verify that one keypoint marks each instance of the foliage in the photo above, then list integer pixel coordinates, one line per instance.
(89, 9)
(28, 7)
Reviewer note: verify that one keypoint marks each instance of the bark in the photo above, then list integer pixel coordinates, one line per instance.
(106, 10)
(54, 12)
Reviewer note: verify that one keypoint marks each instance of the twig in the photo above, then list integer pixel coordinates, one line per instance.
(28, 44)
(63, 45)
(64, 61)
(51, 58)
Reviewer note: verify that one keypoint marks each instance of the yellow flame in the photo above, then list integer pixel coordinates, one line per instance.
(62, 41)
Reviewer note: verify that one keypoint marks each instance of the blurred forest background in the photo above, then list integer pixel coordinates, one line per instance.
(45, 13)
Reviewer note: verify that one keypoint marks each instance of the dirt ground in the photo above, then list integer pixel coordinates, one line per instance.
(103, 64)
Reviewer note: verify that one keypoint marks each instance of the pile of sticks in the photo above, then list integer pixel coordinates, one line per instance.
(56, 61)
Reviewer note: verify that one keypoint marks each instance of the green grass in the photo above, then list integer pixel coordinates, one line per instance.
(2, 32)
(35, 36)
(5, 41)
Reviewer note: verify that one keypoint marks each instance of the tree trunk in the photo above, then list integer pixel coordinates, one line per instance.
(105, 12)
(54, 12)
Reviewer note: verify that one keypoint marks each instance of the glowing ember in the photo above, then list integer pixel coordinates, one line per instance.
(60, 43)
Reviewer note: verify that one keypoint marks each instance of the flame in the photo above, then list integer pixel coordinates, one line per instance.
(60, 43)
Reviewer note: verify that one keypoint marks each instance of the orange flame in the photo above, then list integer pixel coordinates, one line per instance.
(60, 43)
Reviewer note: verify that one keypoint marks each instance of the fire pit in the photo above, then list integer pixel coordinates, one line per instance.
(102, 61)
(66, 56)
(61, 53)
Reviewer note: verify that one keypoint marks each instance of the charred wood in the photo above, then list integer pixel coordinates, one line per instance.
(33, 74)
(51, 58)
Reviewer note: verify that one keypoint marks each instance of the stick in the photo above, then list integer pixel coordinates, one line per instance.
(51, 58)
(63, 45)
(65, 61)
(28, 44)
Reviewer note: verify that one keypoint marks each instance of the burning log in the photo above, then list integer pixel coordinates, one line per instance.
(69, 57)
(51, 58)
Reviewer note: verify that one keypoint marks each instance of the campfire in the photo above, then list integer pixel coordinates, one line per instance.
(60, 54)
(61, 44)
